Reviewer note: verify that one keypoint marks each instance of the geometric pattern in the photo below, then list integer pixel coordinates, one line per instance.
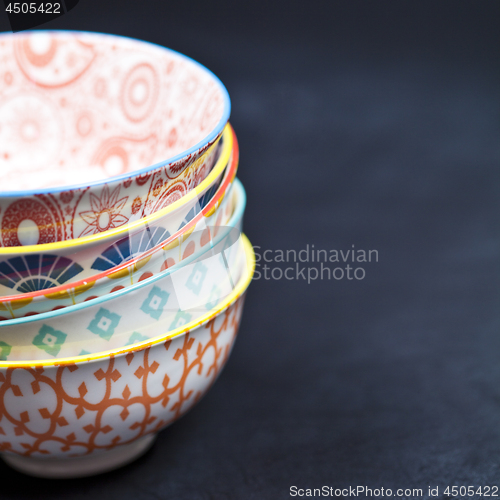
(104, 323)
(130, 247)
(37, 272)
(181, 318)
(136, 337)
(202, 202)
(155, 302)
(50, 340)
(213, 298)
(196, 278)
(78, 409)
(4, 350)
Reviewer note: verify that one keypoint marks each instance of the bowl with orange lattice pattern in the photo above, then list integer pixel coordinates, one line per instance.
(85, 415)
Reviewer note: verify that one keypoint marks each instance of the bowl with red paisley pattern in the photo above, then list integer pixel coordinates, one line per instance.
(85, 415)
(98, 131)
(32, 268)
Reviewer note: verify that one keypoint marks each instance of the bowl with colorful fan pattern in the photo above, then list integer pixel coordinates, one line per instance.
(156, 305)
(201, 233)
(98, 131)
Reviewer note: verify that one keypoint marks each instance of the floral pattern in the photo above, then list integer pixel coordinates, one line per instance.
(105, 212)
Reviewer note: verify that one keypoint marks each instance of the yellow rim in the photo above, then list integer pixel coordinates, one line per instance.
(230, 299)
(219, 167)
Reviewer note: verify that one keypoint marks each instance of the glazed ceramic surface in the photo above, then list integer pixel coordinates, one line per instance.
(72, 407)
(101, 130)
(30, 268)
(203, 234)
(149, 308)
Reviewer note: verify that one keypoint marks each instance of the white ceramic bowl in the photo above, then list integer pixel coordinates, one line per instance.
(144, 310)
(137, 260)
(34, 267)
(70, 418)
(97, 131)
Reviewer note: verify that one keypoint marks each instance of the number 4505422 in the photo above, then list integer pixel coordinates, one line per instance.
(463, 491)
(33, 8)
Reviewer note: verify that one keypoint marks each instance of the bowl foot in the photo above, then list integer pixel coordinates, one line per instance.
(89, 465)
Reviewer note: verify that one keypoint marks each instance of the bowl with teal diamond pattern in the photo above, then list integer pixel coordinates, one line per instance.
(158, 304)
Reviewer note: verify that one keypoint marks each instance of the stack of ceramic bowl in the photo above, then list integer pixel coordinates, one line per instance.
(122, 264)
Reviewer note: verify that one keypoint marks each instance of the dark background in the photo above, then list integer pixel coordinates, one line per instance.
(371, 123)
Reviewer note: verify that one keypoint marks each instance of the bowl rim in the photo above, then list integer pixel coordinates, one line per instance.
(219, 167)
(238, 291)
(210, 138)
(237, 215)
(229, 177)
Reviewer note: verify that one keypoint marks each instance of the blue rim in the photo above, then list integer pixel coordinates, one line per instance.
(237, 215)
(207, 139)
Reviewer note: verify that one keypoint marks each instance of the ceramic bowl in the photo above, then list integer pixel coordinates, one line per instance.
(163, 256)
(144, 310)
(76, 417)
(154, 262)
(136, 259)
(97, 131)
(31, 268)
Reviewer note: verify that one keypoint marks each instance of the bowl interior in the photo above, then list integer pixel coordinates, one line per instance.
(78, 107)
